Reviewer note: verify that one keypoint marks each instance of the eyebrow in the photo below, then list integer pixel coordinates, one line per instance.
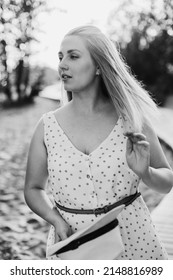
(69, 51)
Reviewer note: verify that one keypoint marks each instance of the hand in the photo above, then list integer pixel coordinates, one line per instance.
(138, 153)
(62, 229)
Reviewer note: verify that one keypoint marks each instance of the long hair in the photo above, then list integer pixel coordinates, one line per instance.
(130, 99)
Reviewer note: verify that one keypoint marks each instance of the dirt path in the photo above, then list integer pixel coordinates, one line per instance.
(22, 233)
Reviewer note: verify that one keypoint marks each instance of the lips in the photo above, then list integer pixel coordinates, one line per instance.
(65, 77)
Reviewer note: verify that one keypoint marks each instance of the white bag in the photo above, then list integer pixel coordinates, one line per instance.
(99, 241)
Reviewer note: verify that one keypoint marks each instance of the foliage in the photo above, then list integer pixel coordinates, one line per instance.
(18, 26)
(153, 65)
(147, 44)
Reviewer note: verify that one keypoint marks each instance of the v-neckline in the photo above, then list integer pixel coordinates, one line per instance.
(79, 151)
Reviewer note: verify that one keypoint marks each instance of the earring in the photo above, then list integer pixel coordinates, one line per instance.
(98, 72)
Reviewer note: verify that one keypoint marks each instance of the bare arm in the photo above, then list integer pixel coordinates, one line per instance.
(159, 175)
(146, 158)
(35, 183)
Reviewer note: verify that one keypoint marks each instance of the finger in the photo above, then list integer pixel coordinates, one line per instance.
(134, 137)
(70, 232)
(141, 146)
(128, 134)
(129, 146)
(57, 238)
(63, 235)
(143, 143)
(139, 135)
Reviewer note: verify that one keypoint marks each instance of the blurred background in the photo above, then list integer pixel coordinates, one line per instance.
(30, 34)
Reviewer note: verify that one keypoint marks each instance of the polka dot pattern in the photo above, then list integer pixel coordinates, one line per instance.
(90, 181)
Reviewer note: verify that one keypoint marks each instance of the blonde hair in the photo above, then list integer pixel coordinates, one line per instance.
(130, 99)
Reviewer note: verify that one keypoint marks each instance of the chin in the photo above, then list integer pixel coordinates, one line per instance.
(68, 88)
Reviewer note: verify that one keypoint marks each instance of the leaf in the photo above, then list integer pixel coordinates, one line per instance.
(6, 197)
(4, 155)
(12, 226)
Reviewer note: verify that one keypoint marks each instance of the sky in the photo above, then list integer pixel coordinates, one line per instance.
(69, 14)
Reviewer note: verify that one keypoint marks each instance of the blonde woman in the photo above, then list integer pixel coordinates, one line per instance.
(95, 149)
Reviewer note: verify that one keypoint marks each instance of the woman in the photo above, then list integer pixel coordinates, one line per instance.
(95, 149)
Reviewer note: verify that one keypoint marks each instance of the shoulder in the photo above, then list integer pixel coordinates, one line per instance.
(44, 121)
(62, 110)
(45, 117)
(38, 134)
(63, 114)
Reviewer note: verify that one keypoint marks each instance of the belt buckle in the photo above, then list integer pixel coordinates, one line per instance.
(98, 211)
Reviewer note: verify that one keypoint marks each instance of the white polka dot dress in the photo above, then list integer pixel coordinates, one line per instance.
(91, 181)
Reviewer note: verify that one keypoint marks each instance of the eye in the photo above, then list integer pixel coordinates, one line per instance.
(60, 58)
(73, 56)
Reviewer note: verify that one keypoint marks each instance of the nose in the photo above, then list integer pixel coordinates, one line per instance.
(63, 65)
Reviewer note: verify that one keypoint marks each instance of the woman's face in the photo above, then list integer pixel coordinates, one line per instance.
(76, 68)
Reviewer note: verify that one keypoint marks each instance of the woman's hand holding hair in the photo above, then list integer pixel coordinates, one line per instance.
(138, 153)
(148, 163)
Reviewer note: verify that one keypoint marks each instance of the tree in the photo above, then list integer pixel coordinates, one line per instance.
(5, 81)
(18, 25)
(153, 65)
(148, 45)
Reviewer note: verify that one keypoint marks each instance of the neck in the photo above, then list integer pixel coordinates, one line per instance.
(88, 103)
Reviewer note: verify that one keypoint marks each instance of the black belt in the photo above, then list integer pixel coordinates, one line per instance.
(126, 200)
